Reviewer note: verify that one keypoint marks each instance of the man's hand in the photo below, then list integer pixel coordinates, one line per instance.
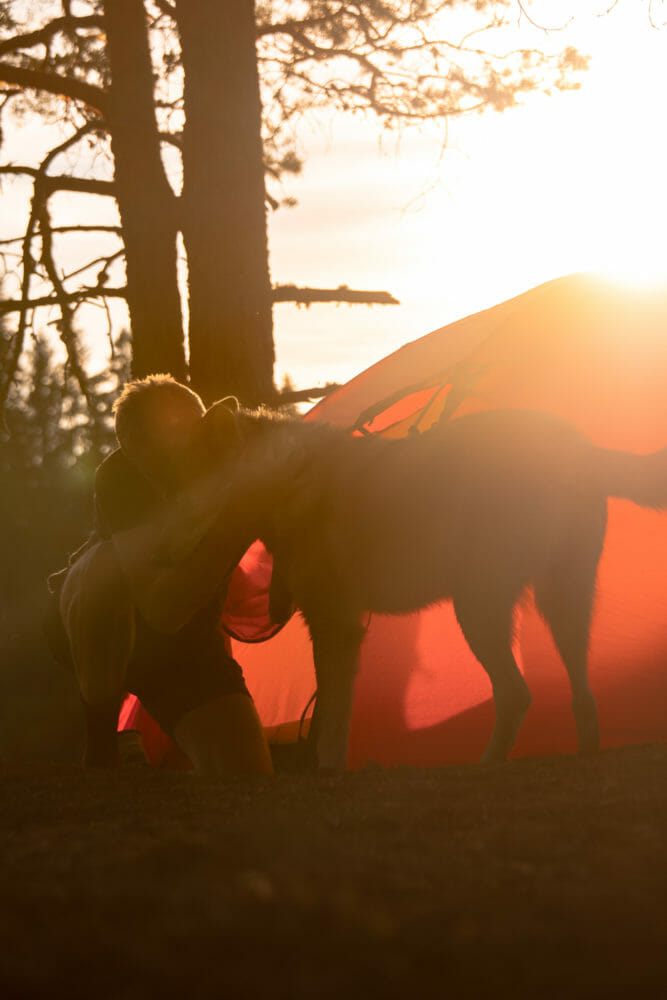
(185, 527)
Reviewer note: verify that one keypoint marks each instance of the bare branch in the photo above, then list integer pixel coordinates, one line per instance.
(37, 213)
(652, 21)
(61, 182)
(306, 296)
(303, 395)
(14, 352)
(64, 230)
(542, 27)
(107, 260)
(172, 139)
(166, 8)
(8, 306)
(290, 25)
(66, 324)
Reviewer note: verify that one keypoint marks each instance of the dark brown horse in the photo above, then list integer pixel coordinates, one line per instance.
(475, 510)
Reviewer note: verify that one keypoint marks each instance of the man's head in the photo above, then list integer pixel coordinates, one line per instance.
(156, 419)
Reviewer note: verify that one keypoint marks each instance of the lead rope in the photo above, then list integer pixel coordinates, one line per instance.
(313, 698)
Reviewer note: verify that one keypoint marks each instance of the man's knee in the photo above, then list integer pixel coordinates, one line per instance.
(225, 737)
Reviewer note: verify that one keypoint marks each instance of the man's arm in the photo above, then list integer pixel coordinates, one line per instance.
(168, 596)
(137, 521)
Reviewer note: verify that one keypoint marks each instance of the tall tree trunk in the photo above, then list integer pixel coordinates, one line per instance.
(145, 200)
(223, 203)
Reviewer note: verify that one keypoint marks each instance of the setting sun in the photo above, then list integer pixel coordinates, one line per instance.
(567, 183)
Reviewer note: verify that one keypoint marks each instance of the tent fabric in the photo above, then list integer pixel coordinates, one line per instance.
(593, 353)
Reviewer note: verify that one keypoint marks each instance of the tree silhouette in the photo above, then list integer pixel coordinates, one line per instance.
(184, 114)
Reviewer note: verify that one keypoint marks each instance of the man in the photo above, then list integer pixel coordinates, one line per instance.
(154, 630)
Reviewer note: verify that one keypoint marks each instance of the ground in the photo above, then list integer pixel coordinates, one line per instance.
(541, 878)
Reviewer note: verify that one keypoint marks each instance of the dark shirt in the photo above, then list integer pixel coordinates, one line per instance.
(123, 497)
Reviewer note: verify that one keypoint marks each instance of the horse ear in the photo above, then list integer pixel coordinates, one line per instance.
(230, 403)
(219, 425)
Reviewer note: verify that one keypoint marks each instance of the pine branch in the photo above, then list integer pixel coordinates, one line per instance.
(42, 36)
(54, 83)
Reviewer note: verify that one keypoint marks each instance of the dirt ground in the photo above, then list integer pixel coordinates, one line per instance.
(542, 878)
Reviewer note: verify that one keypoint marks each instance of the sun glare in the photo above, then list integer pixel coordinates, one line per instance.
(639, 274)
(617, 188)
(577, 182)
(626, 222)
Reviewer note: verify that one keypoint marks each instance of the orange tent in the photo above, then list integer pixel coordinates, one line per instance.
(579, 347)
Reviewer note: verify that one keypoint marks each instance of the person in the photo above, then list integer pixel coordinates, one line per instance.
(125, 623)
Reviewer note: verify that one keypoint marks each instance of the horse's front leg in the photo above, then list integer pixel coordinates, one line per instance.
(336, 655)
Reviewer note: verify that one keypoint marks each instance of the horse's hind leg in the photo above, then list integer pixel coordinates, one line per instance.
(486, 619)
(565, 600)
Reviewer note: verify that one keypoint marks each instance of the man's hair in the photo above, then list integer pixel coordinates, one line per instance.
(146, 404)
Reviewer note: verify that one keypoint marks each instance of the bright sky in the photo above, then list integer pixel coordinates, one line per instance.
(573, 182)
(566, 183)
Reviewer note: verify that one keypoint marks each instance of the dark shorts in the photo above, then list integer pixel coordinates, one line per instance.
(169, 674)
(173, 674)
